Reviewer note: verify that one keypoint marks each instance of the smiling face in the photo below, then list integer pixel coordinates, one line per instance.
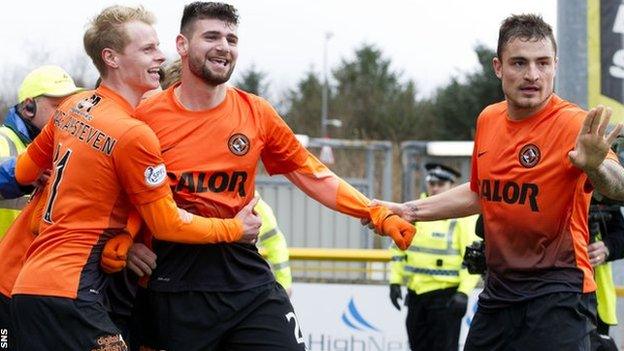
(211, 50)
(141, 58)
(526, 69)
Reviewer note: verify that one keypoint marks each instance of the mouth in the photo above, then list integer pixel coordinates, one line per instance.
(219, 61)
(530, 89)
(154, 72)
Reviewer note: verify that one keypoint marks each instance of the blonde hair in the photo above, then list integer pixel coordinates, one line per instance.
(106, 31)
(173, 74)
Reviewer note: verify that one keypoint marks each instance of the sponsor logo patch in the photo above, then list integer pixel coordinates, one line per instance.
(529, 156)
(83, 107)
(155, 175)
(110, 343)
(239, 144)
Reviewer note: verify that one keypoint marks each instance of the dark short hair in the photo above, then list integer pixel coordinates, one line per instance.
(525, 27)
(207, 10)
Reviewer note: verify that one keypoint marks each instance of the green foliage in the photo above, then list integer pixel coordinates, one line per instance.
(455, 107)
(253, 81)
(304, 105)
(373, 102)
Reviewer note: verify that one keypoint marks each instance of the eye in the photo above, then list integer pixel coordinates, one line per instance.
(232, 40)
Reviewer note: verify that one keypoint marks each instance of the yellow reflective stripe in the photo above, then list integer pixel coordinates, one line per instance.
(268, 235)
(448, 251)
(443, 272)
(281, 265)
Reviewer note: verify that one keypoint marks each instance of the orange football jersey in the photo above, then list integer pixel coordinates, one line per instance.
(534, 203)
(104, 162)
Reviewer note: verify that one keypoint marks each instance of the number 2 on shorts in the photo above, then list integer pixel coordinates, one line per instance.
(297, 330)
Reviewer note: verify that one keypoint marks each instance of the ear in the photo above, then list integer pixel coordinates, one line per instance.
(182, 45)
(110, 58)
(28, 108)
(556, 64)
(498, 67)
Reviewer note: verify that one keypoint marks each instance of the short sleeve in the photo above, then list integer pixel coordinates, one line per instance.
(282, 153)
(140, 167)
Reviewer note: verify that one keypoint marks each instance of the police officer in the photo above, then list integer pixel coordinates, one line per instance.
(273, 241)
(431, 268)
(607, 236)
(41, 91)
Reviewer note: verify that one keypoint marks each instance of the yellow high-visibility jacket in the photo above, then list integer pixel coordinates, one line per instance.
(434, 259)
(10, 146)
(274, 243)
(605, 293)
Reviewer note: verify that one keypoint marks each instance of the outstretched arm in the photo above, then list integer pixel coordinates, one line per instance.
(592, 154)
(321, 184)
(454, 203)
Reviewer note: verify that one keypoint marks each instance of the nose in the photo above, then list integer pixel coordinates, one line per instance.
(532, 72)
(223, 45)
(159, 56)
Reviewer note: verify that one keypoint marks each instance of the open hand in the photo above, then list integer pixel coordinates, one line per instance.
(592, 145)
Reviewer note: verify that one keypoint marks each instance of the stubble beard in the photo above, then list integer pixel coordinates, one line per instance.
(200, 69)
(528, 104)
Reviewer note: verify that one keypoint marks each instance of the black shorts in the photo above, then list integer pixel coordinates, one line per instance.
(7, 331)
(258, 319)
(57, 323)
(557, 321)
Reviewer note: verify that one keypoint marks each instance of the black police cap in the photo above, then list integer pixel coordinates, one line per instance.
(438, 171)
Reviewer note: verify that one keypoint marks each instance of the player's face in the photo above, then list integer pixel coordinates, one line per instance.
(141, 58)
(527, 72)
(213, 50)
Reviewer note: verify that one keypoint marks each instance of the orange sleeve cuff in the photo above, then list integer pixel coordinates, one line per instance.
(164, 221)
(133, 225)
(26, 170)
(316, 180)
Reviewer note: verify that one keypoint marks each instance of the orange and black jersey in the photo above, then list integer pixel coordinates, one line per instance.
(104, 164)
(534, 203)
(211, 159)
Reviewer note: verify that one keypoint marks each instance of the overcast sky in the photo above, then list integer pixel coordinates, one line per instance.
(429, 41)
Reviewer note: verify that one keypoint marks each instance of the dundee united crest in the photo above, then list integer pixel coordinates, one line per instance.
(529, 156)
(239, 144)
